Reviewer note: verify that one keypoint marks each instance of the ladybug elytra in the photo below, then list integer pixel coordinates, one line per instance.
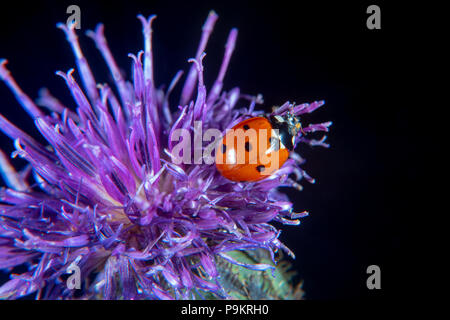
(255, 148)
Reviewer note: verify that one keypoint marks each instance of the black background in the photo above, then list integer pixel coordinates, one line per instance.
(366, 191)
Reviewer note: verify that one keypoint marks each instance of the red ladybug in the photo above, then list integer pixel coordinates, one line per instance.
(255, 148)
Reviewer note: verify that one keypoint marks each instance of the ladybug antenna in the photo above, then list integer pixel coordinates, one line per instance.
(291, 107)
(301, 128)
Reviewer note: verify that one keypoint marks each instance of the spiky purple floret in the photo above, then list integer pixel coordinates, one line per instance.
(106, 195)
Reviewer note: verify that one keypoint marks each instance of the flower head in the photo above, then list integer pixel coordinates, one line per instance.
(105, 195)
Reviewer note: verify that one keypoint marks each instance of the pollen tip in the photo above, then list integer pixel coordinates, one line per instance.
(98, 34)
(99, 28)
(3, 70)
(146, 22)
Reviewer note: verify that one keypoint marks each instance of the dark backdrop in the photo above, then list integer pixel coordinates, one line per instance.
(366, 190)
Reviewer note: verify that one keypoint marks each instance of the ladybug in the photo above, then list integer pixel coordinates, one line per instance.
(257, 147)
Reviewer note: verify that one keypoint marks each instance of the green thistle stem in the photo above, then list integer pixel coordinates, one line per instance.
(245, 284)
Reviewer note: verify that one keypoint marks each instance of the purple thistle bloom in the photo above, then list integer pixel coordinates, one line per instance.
(105, 196)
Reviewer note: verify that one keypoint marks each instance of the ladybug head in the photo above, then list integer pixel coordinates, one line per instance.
(289, 126)
(294, 124)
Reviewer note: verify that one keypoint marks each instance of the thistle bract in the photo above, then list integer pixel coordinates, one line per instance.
(105, 198)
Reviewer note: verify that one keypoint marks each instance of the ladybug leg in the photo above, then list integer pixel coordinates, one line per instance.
(301, 129)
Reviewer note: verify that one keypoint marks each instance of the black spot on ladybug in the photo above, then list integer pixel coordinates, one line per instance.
(248, 146)
(224, 148)
(275, 143)
(246, 127)
(260, 168)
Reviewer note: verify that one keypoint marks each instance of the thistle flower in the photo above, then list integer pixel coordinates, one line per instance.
(106, 196)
